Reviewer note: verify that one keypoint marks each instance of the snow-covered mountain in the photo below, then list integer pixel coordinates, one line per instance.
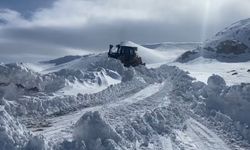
(226, 54)
(173, 46)
(229, 45)
(93, 102)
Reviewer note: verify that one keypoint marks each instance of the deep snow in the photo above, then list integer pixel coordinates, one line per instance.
(93, 102)
(154, 108)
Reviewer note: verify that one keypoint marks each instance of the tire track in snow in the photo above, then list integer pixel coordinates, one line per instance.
(197, 137)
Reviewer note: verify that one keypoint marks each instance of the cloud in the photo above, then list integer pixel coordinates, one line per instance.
(93, 24)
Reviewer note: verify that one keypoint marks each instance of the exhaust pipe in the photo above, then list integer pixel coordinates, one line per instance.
(110, 48)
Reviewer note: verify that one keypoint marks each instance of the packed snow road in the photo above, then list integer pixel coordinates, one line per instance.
(197, 136)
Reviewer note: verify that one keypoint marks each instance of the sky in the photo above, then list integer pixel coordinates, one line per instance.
(32, 30)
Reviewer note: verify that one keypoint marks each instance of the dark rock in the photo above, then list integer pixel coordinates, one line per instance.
(34, 89)
(230, 46)
(187, 56)
(231, 71)
(20, 86)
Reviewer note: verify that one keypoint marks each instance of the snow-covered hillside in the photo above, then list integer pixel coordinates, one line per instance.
(229, 45)
(155, 55)
(234, 73)
(226, 54)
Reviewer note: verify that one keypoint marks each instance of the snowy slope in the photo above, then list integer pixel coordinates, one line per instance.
(226, 54)
(238, 31)
(229, 45)
(155, 55)
(149, 56)
(202, 68)
(174, 46)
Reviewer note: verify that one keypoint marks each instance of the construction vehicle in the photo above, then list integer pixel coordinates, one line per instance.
(126, 54)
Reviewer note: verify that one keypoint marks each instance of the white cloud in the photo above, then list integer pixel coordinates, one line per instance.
(68, 13)
(11, 17)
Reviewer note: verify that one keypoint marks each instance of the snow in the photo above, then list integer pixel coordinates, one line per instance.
(37, 67)
(198, 136)
(155, 55)
(166, 143)
(226, 54)
(65, 122)
(93, 102)
(149, 56)
(89, 87)
(12, 134)
(237, 31)
(229, 45)
(202, 68)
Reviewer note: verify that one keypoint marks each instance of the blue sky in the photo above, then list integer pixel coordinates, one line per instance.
(51, 28)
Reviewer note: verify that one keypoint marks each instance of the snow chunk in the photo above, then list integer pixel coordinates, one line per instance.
(36, 143)
(92, 129)
(12, 134)
(216, 82)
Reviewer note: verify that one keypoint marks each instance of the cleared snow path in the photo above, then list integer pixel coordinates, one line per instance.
(199, 137)
(61, 127)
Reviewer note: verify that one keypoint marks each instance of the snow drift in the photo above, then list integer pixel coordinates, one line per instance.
(233, 101)
(12, 134)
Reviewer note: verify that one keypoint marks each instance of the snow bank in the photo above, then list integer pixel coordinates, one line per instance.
(13, 135)
(95, 132)
(222, 107)
(233, 101)
(54, 96)
(37, 143)
(29, 92)
(19, 75)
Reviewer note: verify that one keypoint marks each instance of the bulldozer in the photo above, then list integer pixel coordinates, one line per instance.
(126, 54)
